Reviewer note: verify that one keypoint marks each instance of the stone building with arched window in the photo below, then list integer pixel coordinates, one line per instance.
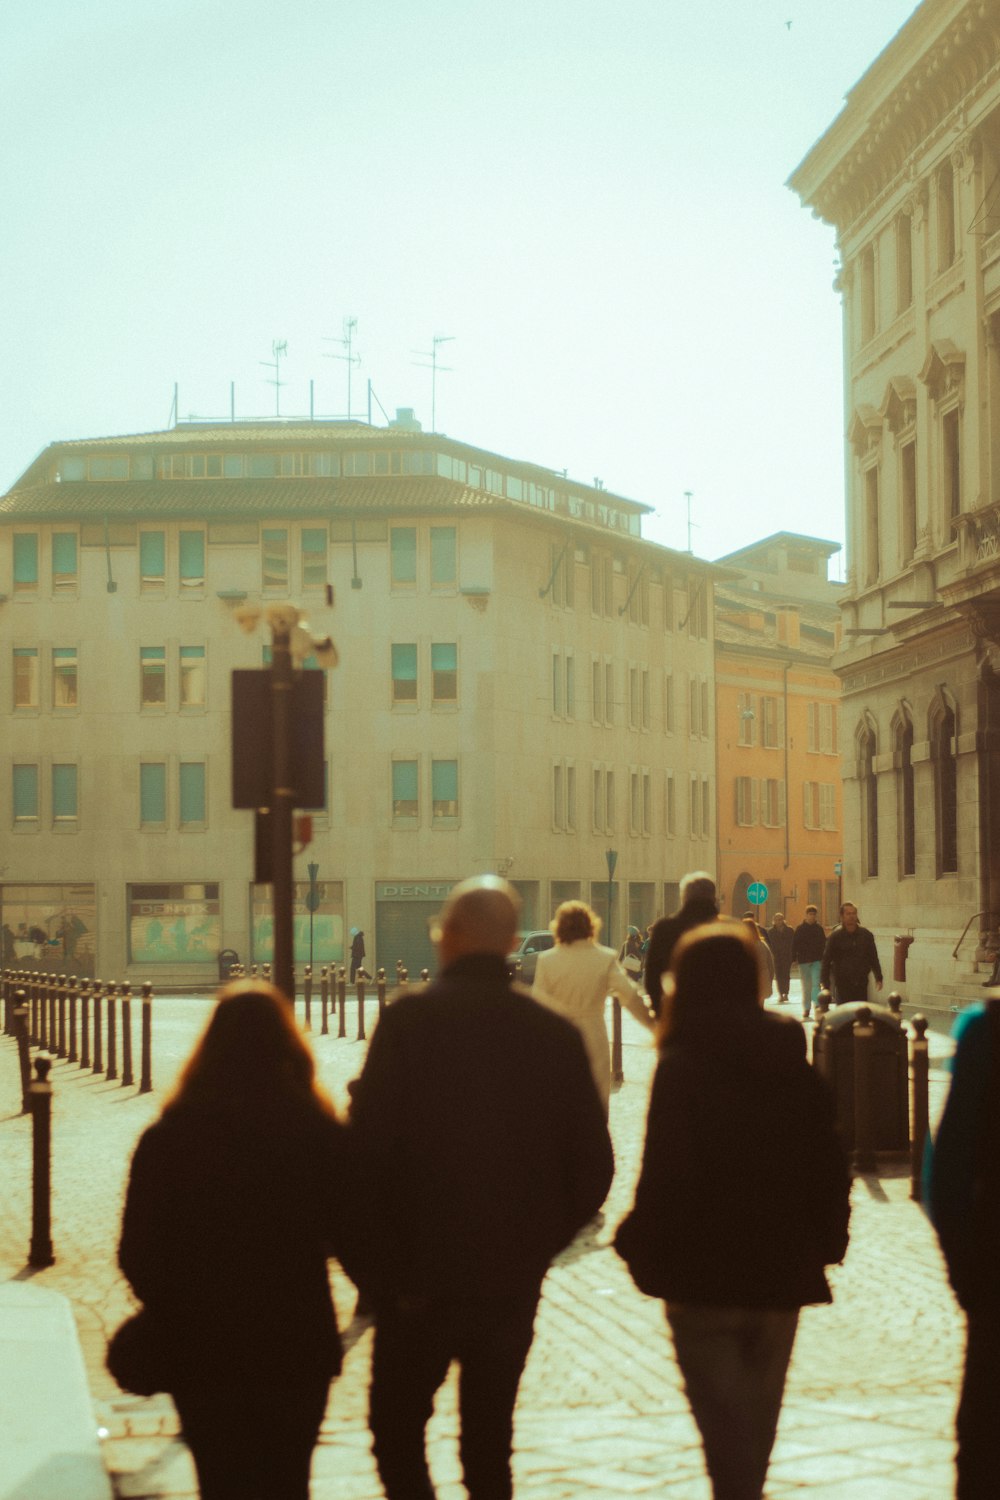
(909, 175)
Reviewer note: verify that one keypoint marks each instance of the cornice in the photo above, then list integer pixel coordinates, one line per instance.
(925, 74)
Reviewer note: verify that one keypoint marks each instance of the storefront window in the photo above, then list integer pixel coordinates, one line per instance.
(50, 927)
(326, 923)
(173, 924)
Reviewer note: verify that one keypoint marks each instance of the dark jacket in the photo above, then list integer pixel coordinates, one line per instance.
(809, 943)
(743, 1195)
(779, 940)
(850, 957)
(479, 1135)
(663, 937)
(229, 1219)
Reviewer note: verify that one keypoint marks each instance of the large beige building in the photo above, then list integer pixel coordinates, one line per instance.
(525, 683)
(909, 174)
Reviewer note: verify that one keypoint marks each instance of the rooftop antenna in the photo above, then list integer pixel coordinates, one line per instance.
(279, 350)
(688, 495)
(351, 359)
(432, 355)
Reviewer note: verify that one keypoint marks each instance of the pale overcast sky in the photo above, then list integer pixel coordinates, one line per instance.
(587, 196)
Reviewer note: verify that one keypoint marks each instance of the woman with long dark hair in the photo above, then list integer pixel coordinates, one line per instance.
(742, 1199)
(233, 1205)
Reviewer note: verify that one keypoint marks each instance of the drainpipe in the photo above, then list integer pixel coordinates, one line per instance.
(788, 805)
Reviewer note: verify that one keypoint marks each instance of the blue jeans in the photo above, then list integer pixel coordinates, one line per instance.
(809, 975)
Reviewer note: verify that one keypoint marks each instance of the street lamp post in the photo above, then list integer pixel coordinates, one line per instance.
(312, 901)
(282, 798)
(617, 1071)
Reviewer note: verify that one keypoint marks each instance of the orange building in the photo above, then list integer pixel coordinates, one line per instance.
(778, 767)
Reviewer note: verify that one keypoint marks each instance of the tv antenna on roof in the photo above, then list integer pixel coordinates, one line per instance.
(432, 355)
(279, 350)
(349, 357)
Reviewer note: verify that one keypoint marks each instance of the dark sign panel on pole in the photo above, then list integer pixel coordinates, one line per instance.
(252, 739)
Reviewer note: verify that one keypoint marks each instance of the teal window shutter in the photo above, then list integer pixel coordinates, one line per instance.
(152, 555)
(444, 787)
(404, 663)
(25, 779)
(192, 558)
(64, 791)
(443, 554)
(25, 560)
(153, 793)
(404, 788)
(404, 554)
(192, 788)
(63, 556)
(444, 657)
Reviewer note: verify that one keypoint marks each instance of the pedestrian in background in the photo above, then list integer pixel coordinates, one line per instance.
(779, 940)
(849, 957)
(742, 1198)
(575, 979)
(631, 953)
(763, 955)
(698, 904)
(357, 952)
(236, 1197)
(482, 1151)
(965, 1206)
(808, 946)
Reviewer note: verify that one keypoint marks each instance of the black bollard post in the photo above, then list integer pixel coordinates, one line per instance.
(823, 1002)
(324, 1000)
(361, 1009)
(307, 995)
(23, 1047)
(895, 1004)
(40, 1254)
(146, 1076)
(253, 971)
(341, 1002)
(127, 1078)
(864, 1042)
(380, 990)
(85, 1024)
(617, 1071)
(31, 984)
(71, 1054)
(97, 1065)
(112, 1068)
(42, 989)
(920, 1064)
(53, 989)
(63, 990)
(404, 976)
(425, 976)
(4, 991)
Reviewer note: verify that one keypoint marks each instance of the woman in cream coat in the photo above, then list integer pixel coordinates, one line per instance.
(575, 978)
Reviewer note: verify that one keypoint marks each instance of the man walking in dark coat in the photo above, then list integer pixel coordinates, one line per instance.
(779, 939)
(850, 956)
(808, 947)
(698, 905)
(481, 1139)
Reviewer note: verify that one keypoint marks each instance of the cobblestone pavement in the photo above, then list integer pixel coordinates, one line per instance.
(870, 1401)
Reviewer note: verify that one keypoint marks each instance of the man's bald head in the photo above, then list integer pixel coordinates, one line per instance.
(479, 916)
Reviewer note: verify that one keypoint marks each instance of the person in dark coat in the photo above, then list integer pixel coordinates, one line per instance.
(742, 1198)
(698, 905)
(779, 939)
(358, 954)
(964, 1195)
(235, 1200)
(481, 1138)
(849, 957)
(808, 947)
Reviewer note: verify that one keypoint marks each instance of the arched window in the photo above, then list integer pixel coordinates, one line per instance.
(906, 801)
(945, 786)
(867, 751)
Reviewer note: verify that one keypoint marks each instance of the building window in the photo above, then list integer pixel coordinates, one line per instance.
(25, 786)
(562, 572)
(191, 556)
(772, 803)
(403, 554)
(152, 676)
(64, 677)
(694, 808)
(571, 799)
(405, 802)
(747, 722)
(827, 806)
(597, 776)
(694, 707)
(746, 801)
(444, 788)
(638, 594)
(668, 601)
(63, 793)
(769, 723)
(951, 453)
(871, 557)
(633, 698)
(945, 216)
(904, 262)
(907, 799)
(597, 690)
(64, 562)
(558, 812)
(175, 923)
(314, 543)
(152, 562)
(570, 688)
(192, 671)
(706, 727)
(646, 693)
(444, 556)
(25, 677)
(444, 672)
(404, 673)
(610, 798)
(557, 685)
(25, 562)
(706, 807)
(609, 692)
(866, 277)
(869, 801)
(945, 791)
(191, 787)
(907, 501)
(821, 728)
(153, 794)
(274, 558)
(668, 703)
(670, 808)
(647, 804)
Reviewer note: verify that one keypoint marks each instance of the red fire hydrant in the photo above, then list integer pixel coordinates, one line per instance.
(900, 948)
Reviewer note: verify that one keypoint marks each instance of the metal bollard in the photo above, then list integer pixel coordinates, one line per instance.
(146, 1077)
(112, 1029)
(380, 990)
(98, 1063)
(864, 1042)
(895, 1004)
(307, 994)
(40, 1254)
(253, 971)
(324, 1000)
(20, 1016)
(127, 1077)
(617, 1071)
(42, 990)
(823, 1002)
(361, 1009)
(404, 975)
(31, 985)
(341, 1001)
(266, 973)
(85, 1024)
(71, 1002)
(61, 993)
(53, 994)
(425, 976)
(920, 1064)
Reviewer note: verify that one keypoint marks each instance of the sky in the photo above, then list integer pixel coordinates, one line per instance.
(586, 198)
